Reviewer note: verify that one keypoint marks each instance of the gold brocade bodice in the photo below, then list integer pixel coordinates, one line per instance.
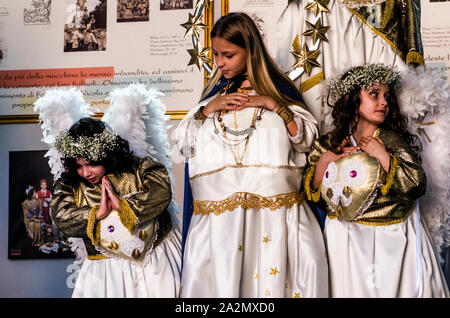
(144, 194)
(393, 198)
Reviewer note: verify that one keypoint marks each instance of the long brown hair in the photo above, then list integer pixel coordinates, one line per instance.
(238, 28)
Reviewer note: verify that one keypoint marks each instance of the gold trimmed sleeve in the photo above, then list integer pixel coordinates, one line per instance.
(406, 177)
(389, 181)
(93, 227)
(126, 215)
(311, 195)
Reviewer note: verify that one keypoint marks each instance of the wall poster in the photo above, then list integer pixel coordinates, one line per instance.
(96, 45)
(32, 232)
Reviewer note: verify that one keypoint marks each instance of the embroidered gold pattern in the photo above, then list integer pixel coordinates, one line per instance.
(377, 223)
(247, 201)
(97, 257)
(310, 194)
(311, 82)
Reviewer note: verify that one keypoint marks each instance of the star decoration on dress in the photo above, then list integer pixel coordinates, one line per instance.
(193, 26)
(199, 55)
(240, 248)
(202, 2)
(266, 239)
(317, 6)
(256, 276)
(306, 59)
(267, 292)
(274, 271)
(297, 295)
(316, 31)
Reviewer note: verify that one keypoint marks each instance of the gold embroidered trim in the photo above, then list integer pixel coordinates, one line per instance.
(77, 195)
(93, 227)
(414, 57)
(97, 257)
(246, 201)
(126, 215)
(286, 114)
(380, 223)
(245, 166)
(390, 176)
(310, 194)
(311, 82)
(377, 132)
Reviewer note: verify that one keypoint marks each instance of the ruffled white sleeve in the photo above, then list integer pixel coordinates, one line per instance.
(186, 132)
(307, 129)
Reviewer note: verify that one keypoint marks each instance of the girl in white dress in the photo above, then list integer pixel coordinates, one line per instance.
(369, 173)
(117, 204)
(251, 232)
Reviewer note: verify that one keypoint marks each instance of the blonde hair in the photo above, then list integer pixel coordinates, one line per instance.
(238, 28)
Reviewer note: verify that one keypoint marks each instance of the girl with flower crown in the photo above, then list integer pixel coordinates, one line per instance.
(250, 233)
(117, 203)
(368, 173)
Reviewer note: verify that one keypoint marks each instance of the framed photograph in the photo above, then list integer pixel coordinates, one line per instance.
(32, 233)
(175, 4)
(85, 27)
(133, 10)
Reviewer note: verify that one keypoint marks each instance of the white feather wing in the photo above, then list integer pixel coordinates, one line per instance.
(58, 110)
(425, 101)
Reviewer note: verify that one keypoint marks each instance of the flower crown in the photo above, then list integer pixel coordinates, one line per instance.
(363, 77)
(90, 148)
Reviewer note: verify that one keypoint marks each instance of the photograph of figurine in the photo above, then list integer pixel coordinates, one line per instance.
(85, 27)
(40, 14)
(32, 232)
(45, 197)
(175, 4)
(133, 10)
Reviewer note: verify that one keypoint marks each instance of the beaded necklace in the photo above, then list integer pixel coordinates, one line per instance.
(225, 132)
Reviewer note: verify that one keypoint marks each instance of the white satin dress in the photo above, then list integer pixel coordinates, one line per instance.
(389, 261)
(155, 277)
(251, 234)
